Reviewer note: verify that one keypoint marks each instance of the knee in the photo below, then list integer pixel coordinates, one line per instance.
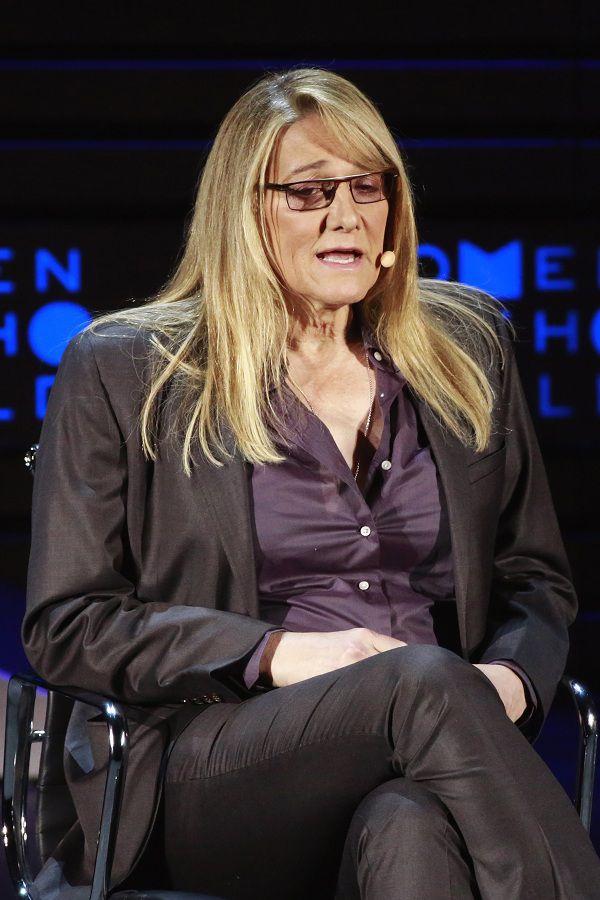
(421, 675)
(432, 671)
(430, 664)
(402, 807)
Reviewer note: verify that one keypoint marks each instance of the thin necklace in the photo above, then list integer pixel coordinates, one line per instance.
(371, 403)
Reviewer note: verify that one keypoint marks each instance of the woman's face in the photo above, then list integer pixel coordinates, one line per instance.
(303, 241)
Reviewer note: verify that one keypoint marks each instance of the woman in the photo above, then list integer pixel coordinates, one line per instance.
(305, 479)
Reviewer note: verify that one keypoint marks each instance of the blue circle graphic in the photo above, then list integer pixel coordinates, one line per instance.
(51, 328)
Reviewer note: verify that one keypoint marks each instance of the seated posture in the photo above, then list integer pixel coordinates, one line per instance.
(292, 512)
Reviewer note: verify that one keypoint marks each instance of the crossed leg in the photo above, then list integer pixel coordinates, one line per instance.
(259, 796)
(402, 842)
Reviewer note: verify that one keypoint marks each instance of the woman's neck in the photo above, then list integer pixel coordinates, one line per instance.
(321, 331)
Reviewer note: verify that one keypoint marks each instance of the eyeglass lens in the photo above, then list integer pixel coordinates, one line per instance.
(317, 194)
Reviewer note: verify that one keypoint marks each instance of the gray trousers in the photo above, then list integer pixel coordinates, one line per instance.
(399, 776)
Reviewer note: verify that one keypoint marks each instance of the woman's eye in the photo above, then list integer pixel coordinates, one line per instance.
(368, 187)
(306, 190)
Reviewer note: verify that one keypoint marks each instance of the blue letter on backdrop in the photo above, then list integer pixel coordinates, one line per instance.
(548, 266)
(499, 272)
(543, 331)
(69, 276)
(6, 287)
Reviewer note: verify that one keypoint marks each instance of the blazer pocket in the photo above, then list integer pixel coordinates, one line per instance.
(486, 465)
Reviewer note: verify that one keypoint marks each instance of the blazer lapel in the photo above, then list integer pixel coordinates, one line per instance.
(226, 493)
(448, 455)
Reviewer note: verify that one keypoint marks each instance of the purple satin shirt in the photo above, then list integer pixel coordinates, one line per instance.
(330, 557)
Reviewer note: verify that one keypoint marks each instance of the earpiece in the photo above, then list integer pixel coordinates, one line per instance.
(388, 259)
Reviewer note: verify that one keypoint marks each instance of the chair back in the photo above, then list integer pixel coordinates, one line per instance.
(55, 810)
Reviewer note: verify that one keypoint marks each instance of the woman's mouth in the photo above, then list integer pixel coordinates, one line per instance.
(345, 258)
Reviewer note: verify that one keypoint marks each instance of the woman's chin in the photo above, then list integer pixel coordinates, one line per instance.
(337, 302)
(340, 295)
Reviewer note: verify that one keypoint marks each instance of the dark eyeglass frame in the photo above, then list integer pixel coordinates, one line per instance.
(387, 188)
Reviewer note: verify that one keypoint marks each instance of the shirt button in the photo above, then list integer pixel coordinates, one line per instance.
(386, 465)
(365, 531)
(378, 356)
(363, 585)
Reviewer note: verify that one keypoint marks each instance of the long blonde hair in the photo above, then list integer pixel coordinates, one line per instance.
(220, 324)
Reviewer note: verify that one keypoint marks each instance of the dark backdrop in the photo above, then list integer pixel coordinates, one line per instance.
(104, 125)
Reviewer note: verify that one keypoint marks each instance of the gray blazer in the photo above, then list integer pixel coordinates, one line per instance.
(142, 581)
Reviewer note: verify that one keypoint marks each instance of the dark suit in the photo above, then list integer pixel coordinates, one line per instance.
(142, 582)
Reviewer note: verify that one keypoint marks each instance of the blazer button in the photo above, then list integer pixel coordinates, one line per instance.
(205, 698)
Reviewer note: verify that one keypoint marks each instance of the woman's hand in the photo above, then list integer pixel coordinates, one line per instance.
(302, 655)
(509, 686)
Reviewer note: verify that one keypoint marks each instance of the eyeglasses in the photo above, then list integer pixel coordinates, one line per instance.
(370, 187)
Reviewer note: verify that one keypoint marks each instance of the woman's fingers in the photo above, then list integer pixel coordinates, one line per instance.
(509, 686)
(382, 642)
(302, 655)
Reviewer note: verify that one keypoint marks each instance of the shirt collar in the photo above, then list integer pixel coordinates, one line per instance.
(377, 357)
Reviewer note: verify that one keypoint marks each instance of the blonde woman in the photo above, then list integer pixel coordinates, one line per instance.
(300, 490)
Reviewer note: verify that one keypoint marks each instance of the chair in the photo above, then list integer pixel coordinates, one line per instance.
(55, 817)
(56, 814)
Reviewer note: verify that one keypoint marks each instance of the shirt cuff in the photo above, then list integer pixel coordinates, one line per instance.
(530, 695)
(252, 669)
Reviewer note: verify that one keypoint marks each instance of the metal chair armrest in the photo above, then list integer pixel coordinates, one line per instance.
(588, 745)
(19, 736)
(15, 783)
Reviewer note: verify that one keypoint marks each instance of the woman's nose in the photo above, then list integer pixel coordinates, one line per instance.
(342, 210)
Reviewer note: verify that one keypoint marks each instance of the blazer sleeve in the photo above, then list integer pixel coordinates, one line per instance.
(85, 624)
(533, 601)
